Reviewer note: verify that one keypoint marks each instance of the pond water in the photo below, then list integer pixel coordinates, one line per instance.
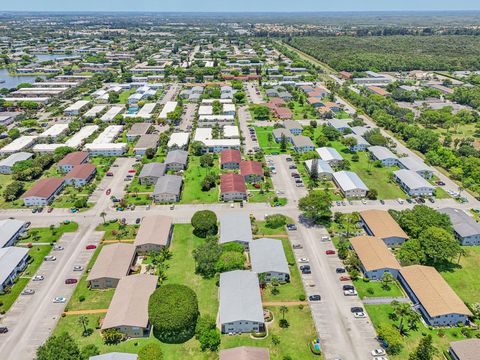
(47, 57)
(8, 81)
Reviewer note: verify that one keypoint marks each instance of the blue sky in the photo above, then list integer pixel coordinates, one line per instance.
(237, 5)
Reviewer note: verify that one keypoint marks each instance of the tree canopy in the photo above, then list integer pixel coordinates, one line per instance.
(316, 206)
(204, 223)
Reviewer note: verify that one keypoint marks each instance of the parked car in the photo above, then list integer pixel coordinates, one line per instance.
(340, 270)
(359, 315)
(350, 292)
(132, 171)
(27, 291)
(109, 173)
(303, 260)
(38, 278)
(108, 191)
(382, 202)
(3, 329)
(306, 271)
(49, 258)
(59, 299)
(50, 210)
(58, 248)
(345, 278)
(314, 298)
(297, 246)
(440, 183)
(34, 210)
(78, 268)
(289, 159)
(291, 227)
(378, 352)
(137, 221)
(305, 267)
(71, 281)
(432, 200)
(355, 309)
(380, 358)
(91, 247)
(348, 287)
(330, 252)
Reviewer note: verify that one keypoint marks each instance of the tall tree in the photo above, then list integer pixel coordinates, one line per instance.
(61, 347)
(439, 245)
(425, 349)
(316, 206)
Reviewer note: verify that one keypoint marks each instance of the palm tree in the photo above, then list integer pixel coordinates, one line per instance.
(387, 279)
(403, 311)
(102, 215)
(83, 321)
(283, 310)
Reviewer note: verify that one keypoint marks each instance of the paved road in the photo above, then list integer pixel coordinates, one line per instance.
(252, 93)
(187, 119)
(243, 119)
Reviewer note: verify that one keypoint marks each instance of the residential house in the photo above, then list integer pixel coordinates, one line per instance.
(128, 310)
(340, 124)
(302, 144)
(151, 172)
(155, 233)
(466, 229)
(168, 189)
(43, 192)
(293, 126)
(329, 155)
(361, 144)
(178, 141)
(268, 260)
(384, 155)
(350, 184)
(232, 187)
(230, 159)
(433, 297)
(147, 141)
(252, 171)
(13, 260)
(380, 223)
(113, 263)
(415, 164)
(467, 349)
(323, 169)
(81, 175)
(240, 309)
(72, 159)
(6, 165)
(114, 356)
(375, 258)
(176, 160)
(412, 183)
(235, 227)
(10, 231)
(278, 133)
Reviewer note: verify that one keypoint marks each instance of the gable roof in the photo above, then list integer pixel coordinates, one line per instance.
(176, 156)
(232, 183)
(153, 170)
(168, 184)
(412, 179)
(112, 262)
(154, 229)
(463, 224)
(44, 188)
(81, 171)
(373, 253)
(251, 167)
(227, 156)
(9, 259)
(129, 305)
(114, 356)
(349, 180)
(433, 292)
(329, 153)
(240, 297)
(235, 227)
(268, 255)
(382, 224)
(8, 228)
(467, 349)
(74, 158)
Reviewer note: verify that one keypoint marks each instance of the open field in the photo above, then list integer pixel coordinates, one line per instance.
(192, 183)
(373, 289)
(267, 144)
(117, 231)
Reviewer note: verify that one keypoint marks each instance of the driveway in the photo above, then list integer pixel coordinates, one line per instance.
(252, 89)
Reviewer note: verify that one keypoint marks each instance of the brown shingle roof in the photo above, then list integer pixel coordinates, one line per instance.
(232, 183)
(468, 349)
(81, 171)
(245, 353)
(227, 156)
(154, 229)
(373, 253)
(382, 224)
(44, 188)
(129, 306)
(251, 167)
(74, 158)
(433, 292)
(113, 262)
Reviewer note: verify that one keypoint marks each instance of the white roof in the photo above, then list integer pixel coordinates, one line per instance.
(235, 227)
(108, 135)
(205, 110)
(46, 148)
(168, 108)
(329, 154)
(228, 107)
(222, 101)
(412, 179)
(268, 255)
(146, 110)
(202, 134)
(8, 228)
(77, 139)
(349, 180)
(95, 110)
(322, 168)
(230, 131)
(105, 146)
(382, 153)
(413, 163)
(9, 259)
(19, 144)
(216, 117)
(54, 130)
(178, 139)
(78, 105)
(111, 113)
(222, 142)
(42, 100)
(15, 157)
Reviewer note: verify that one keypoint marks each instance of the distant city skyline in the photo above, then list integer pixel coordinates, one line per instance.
(240, 6)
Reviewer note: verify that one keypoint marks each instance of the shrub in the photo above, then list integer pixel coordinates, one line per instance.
(173, 312)
(301, 297)
(150, 351)
(81, 298)
(204, 223)
(230, 260)
(112, 336)
(275, 221)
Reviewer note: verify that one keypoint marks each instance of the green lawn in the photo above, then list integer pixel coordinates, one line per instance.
(182, 269)
(266, 231)
(365, 289)
(292, 290)
(375, 178)
(300, 110)
(116, 231)
(135, 186)
(123, 97)
(464, 278)
(379, 314)
(94, 299)
(263, 139)
(140, 199)
(37, 254)
(192, 183)
(293, 340)
(48, 235)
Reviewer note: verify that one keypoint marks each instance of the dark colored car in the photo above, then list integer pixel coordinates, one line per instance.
(340, 270)
(314, 298)
(356, 309)
(330, 252)
(3, 329)
(137, 221)
(306, 271)
(305, 267)
(71, 281)
(348, 287)
(382, 202)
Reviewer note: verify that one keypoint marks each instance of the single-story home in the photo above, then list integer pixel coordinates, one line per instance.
(412, 183)
(384, 155)
(155, 233)
(268, 260)
(433, 297)
(113, 263)
(466, 229)
(324, 170)
(381, 224)
(350, 184)
(278, 133)
(329, 154)
(417, 165)
(13, 260)
(340, 124)
(467, 349)
(240, 309)
(6, 165)
(302, 144)
(145, 142)
(128, 310)
(361, 144)
(293, 126)
(375, 258)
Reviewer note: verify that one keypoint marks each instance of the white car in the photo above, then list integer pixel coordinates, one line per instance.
(59, 299)
(58, 248)
(364, 202)
(350, 293)
(78, 268)
(361, 315)
(49, 258)
(303, 260)
(28, 291)
(38, 278)
(378, 352)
